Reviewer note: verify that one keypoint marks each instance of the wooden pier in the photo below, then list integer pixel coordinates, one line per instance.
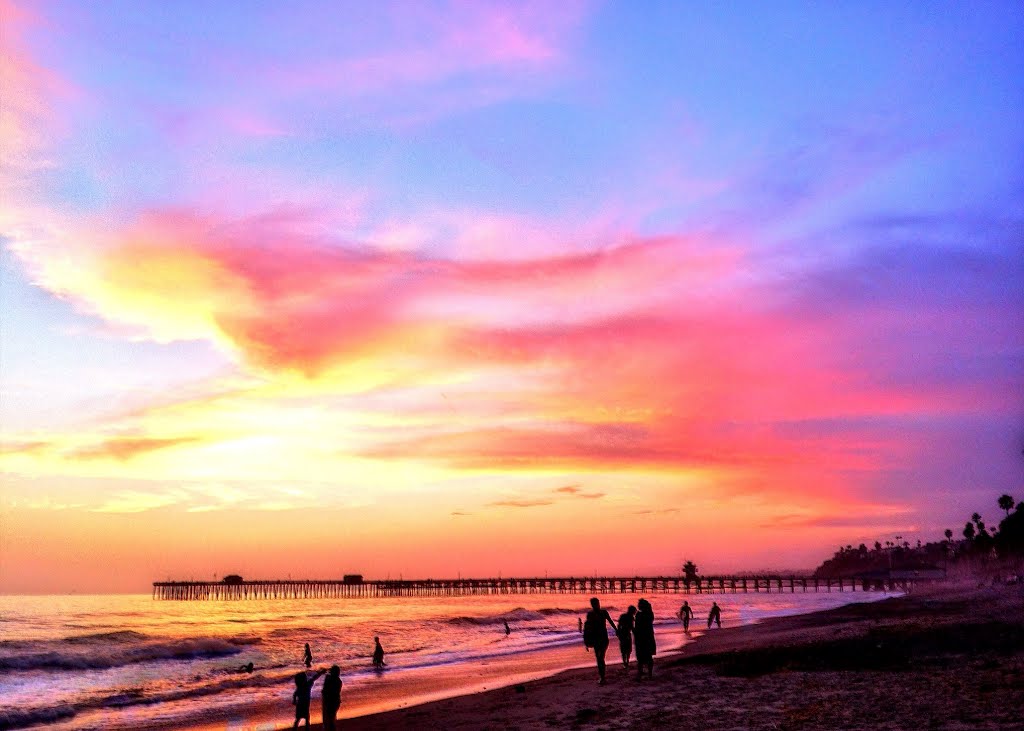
(342, 589)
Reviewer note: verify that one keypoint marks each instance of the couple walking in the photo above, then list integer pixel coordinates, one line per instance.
(330, 695)
(637, 623)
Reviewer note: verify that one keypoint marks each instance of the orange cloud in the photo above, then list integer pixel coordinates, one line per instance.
(127, 448)
(23, 447)
(520, 503)
(571, 489)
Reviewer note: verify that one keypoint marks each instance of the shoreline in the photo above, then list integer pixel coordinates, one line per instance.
(894, 663)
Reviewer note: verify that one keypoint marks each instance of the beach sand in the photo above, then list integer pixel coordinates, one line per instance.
(947, 658)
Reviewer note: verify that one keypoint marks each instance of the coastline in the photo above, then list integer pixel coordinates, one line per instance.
(948, 657)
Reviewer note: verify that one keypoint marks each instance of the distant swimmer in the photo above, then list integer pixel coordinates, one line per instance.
(245, 668)
(378, 654)
(595, 635)
(686, 614)
(625, 633)
(300, 698)
(508, 630)
(308, 658)
(715, 615)
(330, 696)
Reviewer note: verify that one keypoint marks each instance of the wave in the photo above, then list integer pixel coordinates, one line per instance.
(100, 638)
(87, 655)
(559, 610)
(21, 717)
(519, 614)
(296, 631)
(136, 697)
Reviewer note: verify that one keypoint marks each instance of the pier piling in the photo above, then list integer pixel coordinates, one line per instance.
(347, 589)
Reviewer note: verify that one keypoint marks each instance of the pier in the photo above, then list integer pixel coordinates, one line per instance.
(346, 589)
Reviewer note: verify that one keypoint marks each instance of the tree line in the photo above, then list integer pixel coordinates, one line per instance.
(980, 544)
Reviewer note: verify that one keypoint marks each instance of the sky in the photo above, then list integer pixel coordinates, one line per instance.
(502, 288)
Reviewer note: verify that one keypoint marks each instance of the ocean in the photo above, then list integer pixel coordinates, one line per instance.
(127, 661)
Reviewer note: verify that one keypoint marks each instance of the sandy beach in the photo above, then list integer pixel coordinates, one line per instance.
(947, 658)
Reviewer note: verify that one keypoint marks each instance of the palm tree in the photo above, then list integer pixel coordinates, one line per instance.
(949, 534)
(689, 572)
(969, 531)
(1006, 503)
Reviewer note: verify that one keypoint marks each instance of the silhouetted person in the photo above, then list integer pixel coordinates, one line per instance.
(308, 658)
(580, 620)
(245, 668)
(625, 633)
(330, 697)
(643, 631)
(595, 635)
(508, 630)
(303, 688)
(686, 614)
(378, 654)
(715, 615)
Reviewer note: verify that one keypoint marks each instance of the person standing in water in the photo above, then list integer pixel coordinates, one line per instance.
(625, 633)
(308, 658)
(378, 654)
(686, 614)
(595, 635)
(330, 697)
(300, 698)
(508, 630)
(643, 630)
(715, 615)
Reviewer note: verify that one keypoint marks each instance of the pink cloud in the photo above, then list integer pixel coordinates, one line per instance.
(28, 121)
(654, 352)
(286, 295)
(430, 45)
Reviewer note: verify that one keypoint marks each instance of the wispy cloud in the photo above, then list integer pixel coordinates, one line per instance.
(520, 503)
(23, 447)
(133, 501)
(577, 492)
(125, 448)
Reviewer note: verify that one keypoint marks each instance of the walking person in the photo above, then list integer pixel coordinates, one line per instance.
(378, 654)
(300, 698)
(330, 697)
(715, 615)
(307, 659)
(595, 635)
(686, 614)
(625, 633)
(643, 631)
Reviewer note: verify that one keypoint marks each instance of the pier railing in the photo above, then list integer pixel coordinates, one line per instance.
(337, 589)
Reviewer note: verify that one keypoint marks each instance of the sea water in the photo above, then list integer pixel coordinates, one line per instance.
(123, 662)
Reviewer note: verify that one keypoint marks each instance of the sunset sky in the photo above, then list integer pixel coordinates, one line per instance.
(430, 289)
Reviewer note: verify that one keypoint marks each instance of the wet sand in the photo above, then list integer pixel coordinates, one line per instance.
(948, 658)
